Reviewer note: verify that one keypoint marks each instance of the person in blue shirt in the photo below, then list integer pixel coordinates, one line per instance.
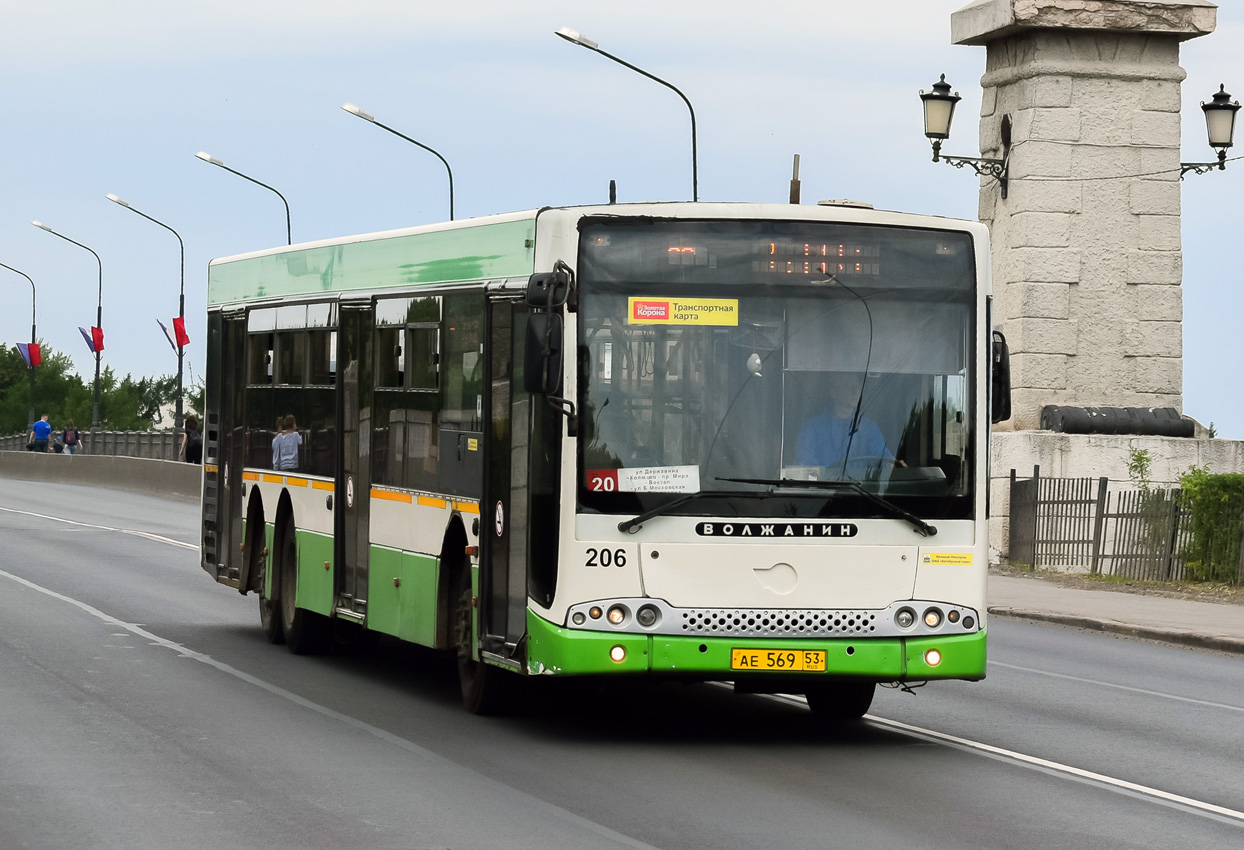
(40, 433)
(827, 440)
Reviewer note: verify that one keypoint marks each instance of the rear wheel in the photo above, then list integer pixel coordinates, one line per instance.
(306, 633)
(270, 618)
(485, 689)
(841, 700)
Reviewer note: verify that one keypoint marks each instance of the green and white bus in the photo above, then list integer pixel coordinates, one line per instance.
(713, 442)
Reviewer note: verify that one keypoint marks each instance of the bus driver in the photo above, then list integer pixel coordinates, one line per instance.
(827, 440)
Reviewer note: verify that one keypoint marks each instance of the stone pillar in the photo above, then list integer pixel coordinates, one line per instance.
(1087, 257)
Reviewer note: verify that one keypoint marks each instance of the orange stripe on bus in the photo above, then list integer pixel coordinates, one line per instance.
(273, 479)
(250, 476)
(390, 496)
(429, 502)
(466, 507)
(295, 482)
(322, 485)
(209, 467)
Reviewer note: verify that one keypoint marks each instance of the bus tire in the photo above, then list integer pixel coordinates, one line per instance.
(486, 690)
(306, 633)
(840, 701)
(270, 617)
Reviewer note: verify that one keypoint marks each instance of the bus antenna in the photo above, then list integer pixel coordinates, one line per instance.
(613, 191)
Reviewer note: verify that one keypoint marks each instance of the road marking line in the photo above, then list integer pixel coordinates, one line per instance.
(144, 534)
(1118, 687)
(1122, 786)
(496, 785)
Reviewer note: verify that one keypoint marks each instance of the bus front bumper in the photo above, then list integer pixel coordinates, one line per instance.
(554, 650)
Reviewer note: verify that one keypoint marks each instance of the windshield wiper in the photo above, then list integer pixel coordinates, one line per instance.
(892, 509)
(635, 524)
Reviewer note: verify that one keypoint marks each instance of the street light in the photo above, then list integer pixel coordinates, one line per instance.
(99, 315)
(939, 111)
(368, 117)
(181, 313)
(33, 337)
(211, 160)
(1220, 123)
(583, 41)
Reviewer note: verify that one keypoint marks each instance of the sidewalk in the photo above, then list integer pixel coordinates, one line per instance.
(1206, 625)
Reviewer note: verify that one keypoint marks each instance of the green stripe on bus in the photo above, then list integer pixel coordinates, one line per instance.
(555, 650)
(401, 594)
(487, 251)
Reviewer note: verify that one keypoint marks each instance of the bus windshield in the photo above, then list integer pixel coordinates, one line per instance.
(740, 358)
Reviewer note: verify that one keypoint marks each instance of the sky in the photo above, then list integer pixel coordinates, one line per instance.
(117, 97)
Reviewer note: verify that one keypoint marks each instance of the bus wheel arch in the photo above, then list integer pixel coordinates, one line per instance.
(254, 546)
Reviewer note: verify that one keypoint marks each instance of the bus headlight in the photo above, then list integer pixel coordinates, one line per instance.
(905, 618)
(932, 657)
(647, 616)
(617, 615)
(933, 618)
(617, 654)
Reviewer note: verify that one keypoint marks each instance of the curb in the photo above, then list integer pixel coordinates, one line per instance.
(1220, 643)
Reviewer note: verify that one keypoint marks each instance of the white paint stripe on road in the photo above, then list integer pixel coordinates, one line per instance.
(1118, 687)
(1132, 789)
(528, 800)
(145, 534)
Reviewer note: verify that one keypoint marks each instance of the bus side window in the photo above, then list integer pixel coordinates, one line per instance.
(424, 357)
(390, 357)
(291, 357)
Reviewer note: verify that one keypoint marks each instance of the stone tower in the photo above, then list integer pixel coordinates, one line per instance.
(1087, 256)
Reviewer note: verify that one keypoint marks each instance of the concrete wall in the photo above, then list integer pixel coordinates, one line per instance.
(182, 481)
(1094, 456)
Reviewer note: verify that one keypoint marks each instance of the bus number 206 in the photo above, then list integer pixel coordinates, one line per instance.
(606, 558)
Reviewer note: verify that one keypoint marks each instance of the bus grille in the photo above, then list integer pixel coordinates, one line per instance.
(777, 622)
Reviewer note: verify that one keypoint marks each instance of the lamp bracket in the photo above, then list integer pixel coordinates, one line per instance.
(984, 167)
(1203, 167)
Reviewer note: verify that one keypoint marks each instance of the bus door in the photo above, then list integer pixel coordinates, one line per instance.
(519, 511)
(353, 485)
(224, 437)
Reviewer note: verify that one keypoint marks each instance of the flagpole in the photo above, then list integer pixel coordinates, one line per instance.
(178, 421)
(99, 321)
(33, 341)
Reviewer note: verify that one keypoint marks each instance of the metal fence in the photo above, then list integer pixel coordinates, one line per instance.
(1079, 524)
(151, 444)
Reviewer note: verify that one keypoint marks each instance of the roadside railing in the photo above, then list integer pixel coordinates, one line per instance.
(1082, 525)
(159, 445)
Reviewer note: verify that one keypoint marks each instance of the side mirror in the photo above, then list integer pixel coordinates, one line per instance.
(999, 380)
(542, 361)
(550, 290)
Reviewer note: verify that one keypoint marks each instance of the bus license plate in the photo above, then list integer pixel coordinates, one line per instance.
(782, 660)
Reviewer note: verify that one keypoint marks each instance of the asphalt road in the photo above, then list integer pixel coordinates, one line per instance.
(141, 708)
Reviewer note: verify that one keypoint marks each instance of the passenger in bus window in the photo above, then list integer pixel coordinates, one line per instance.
(828, 439)
(286, 445)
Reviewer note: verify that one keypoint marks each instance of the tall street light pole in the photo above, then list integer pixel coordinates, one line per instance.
(367, 116)
(33, 337)
(211, 160)
(99, 315)
(583, 41)
(181, 313)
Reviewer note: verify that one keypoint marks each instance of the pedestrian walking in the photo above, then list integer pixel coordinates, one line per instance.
(39, 434)
(70, 438)
(192, 442)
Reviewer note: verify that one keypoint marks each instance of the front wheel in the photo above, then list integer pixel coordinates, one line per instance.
(841, 700)
(485, 689)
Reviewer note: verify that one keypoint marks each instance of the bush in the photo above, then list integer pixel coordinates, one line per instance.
(1213, 505)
